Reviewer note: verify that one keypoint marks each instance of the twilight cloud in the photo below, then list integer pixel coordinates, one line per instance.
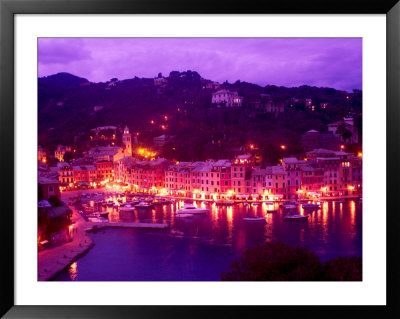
(331, 62)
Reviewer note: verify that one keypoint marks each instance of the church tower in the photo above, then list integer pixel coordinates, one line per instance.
(127, 140)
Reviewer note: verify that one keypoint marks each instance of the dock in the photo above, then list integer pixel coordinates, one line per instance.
(92, 227)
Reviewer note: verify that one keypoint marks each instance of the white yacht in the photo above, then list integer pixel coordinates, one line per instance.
(191, 209)
(254, 218)
(126, 208)
(144, 205)
(295, 217)
(184, 215)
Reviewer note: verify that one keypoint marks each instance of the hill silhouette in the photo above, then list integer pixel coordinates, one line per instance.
(198, 129)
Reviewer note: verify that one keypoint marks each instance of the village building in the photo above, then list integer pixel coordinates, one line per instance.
(226, 98)
(60, 152)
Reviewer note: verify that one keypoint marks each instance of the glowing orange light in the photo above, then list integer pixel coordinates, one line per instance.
(342, 147)
(43, 160)
(163, 127)
(359, 154)
(251, 146)
(351, 188)
(283, 147)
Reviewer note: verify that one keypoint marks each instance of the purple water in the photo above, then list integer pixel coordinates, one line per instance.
(200, 248)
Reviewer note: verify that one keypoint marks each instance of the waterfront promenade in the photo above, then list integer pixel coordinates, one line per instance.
(54, 260)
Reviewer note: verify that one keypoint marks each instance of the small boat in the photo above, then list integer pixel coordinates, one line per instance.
(289, 206)
(311, 206)
(97, 220)
(224, 203)
(191, 209)
(254, 219)
(126, 208)
(272, 211)
(183, 215)
(144, 205)
(103, 214)
(295, 217)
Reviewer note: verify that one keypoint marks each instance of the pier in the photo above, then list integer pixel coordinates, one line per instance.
(98, 226)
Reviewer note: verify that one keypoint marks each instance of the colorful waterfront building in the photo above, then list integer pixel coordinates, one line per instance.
(104, 170)
(84, 174)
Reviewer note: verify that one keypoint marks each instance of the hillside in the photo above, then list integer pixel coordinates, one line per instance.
(199, 130)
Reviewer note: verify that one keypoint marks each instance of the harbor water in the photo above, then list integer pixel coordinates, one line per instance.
(201, 247)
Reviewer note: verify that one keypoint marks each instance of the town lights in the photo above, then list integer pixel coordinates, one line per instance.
(351, 188)
(283, 147)
(359, 154)
(342, 147)
(163, 127)
(166, 118)
(152, 122)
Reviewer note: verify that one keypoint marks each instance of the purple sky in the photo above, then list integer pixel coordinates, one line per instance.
(331, 62)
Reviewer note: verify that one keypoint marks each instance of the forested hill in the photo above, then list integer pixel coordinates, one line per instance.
(66, 106)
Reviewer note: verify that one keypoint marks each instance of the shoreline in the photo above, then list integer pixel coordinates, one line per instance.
(53, 261)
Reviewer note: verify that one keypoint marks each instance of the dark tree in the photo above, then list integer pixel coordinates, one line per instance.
(343, 269)
(68, 157)
(275, 261)
(54, 201)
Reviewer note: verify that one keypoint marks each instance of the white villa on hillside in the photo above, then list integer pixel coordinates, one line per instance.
(226, 98)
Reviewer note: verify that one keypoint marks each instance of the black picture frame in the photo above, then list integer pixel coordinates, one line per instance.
(8, 10)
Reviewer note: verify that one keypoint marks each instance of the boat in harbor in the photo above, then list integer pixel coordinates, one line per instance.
(254, 219)
(296, 217)
(126, 208)
(289, 206)
(224, 203)
(310, 206)
(191, 209)
(144, 205)
(183, 215)
(97, 220)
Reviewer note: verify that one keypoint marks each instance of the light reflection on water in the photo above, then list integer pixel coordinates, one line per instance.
(333, 230)
(225, 224)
